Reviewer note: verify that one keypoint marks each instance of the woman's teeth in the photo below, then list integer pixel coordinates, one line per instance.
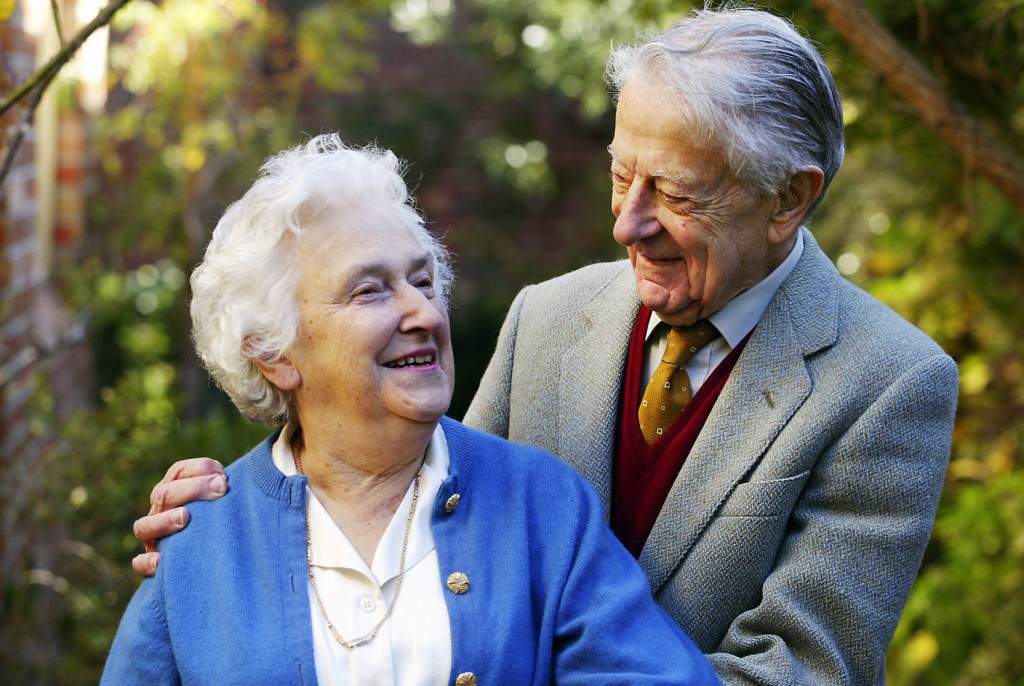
(413, 360)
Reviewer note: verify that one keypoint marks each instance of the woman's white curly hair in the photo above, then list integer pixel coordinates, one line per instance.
(243, 292)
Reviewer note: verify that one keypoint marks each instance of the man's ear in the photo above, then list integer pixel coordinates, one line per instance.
(793, 202)
(281, 373)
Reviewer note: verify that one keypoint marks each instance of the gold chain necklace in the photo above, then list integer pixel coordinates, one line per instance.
(366, 638)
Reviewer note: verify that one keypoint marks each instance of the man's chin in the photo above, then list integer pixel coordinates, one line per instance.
(669, 309)
(673, 313)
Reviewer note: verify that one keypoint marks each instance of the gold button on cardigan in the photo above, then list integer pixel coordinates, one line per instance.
(458, 583)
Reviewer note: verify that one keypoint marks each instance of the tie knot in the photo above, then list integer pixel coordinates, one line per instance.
(685, 341)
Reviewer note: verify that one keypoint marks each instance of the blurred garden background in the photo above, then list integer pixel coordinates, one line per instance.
(501, 109)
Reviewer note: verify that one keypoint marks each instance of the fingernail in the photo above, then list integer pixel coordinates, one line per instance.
(220, 487)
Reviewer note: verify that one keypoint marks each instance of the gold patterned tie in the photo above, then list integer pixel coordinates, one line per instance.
(669, 388)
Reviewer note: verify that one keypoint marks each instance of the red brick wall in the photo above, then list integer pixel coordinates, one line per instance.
(36, 334)
(17, 225)
(41, 347)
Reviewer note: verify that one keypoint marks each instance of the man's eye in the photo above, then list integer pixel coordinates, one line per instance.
(673, 199)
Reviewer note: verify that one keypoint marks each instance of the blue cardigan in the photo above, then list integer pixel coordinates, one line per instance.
(554, 597)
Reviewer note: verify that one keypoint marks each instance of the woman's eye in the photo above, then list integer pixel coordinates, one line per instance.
(366, 289)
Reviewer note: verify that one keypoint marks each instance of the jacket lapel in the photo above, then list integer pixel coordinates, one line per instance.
(766, 388)
(591, 381)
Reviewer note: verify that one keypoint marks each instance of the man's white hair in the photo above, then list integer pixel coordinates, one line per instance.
(746, 81)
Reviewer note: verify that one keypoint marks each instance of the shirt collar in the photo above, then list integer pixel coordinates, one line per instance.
(330, 547)
(436, 459)
(741, 314)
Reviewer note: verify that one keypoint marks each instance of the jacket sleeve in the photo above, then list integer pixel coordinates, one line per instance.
(489, 410)
(853, 544)
(141, 653)
(609, 630)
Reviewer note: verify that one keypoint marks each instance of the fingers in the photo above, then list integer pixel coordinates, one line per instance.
(146, 563)
(167, 495)
(148, 529)
(198, 478)
(196, 466)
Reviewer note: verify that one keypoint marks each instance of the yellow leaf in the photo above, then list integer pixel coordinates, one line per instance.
(974, 374)
(922, 648)
(193, 159)
(6, 9)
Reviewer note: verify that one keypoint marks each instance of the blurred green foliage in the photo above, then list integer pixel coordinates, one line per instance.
(503, 113)
(99, 474)
(963, 622)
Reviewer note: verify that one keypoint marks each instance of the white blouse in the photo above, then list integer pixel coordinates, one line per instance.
(413, 647)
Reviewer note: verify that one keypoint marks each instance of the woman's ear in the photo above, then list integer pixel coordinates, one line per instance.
(794, 201)
(281, 373)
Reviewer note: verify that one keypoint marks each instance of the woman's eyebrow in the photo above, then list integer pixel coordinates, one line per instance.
(382, 268)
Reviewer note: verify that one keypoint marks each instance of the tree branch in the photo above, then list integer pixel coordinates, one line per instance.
(969, 138)
(45, 74)
(33, 88)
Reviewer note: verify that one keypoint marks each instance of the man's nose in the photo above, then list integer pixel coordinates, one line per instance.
(636, 217)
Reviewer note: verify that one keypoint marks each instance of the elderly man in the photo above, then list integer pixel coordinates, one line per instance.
(782, 513)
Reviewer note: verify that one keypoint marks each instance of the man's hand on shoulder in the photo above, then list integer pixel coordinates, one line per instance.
(199, 478)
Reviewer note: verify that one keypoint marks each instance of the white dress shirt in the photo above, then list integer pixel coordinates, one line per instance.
(413, 647)
(734, 321)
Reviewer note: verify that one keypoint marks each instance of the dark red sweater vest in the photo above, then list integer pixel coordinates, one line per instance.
(643, 475)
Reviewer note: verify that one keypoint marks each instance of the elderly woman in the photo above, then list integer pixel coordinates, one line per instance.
(370, 539)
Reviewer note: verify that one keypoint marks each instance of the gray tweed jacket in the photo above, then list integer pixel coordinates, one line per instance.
(790, 539)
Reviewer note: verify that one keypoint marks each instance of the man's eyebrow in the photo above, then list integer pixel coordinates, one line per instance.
(667, 174)
(673, 176)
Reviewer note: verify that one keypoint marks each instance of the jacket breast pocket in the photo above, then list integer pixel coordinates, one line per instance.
(764, 498)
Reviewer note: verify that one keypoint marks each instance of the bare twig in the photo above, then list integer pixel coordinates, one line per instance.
(20, 130)
(57, 24)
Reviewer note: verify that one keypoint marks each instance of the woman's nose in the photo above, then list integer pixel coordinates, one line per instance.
(421, 310)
